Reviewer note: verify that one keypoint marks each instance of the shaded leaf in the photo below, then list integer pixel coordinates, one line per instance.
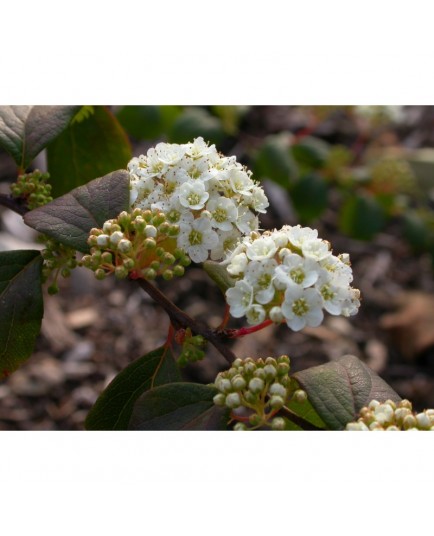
(310, 152)
(179, 406)
(148, 122)
(195, 122)
(219, 274)
(112, 410)
(274, 161)
(310, 197)
(306, 411)
(89, 148)
(69, 218)
(338, 390)
(361, 217)
(26, 130)
(21, 307)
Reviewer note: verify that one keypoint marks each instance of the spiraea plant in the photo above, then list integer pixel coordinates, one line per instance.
(181, 204)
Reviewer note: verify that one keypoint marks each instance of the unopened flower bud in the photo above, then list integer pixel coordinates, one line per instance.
(219, 399)
(240, 427)
(406, 404)
(270, 372)
(164, 228)
(392, 428)
(178, 271)
(276, 402)
(256, 385)
(121, 272)
(373, 404)
(384, 413)
(233, 400)
(167, 275)
(359, 426)
(409, 422)
(276, 314)
(102, 240)
(100, 274)
(149, 244)
(150, 231)
(124, 246)
(278, 423)
(116, 237)
(255, 419)
(277, 389)
(300, 396)
(168, 258)
(423, 421)
(238, 382)
(150, 274)
(107, 258)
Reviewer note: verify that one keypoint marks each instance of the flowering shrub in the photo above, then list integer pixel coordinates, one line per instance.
(184, 203)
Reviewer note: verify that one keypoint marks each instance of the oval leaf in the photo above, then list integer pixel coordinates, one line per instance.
(310, 152)
(88, 148)
(68, 219)
(274, 161)
(26, 130)
(338, 390)
(178, 406)
(361, 217)
(112, 410)
(195, 122)
(21, 307)
(310, 197)
(148, 122)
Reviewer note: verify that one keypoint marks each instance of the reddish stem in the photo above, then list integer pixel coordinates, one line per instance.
(225, 319)
(235, 333)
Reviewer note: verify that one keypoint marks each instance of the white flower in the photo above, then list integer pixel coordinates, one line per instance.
(223, 212)
(316, 249)
(197, 238)
(193, 195)
(260, 275)
(297, 270)
(170, 153)
(199, 148)
(238, 264)
(299, 235)
(226, 244)
(247, 221)
(259, 200)
(261, 248)
(302, 307)
(255, 314)
(240, 182)
(239, 298)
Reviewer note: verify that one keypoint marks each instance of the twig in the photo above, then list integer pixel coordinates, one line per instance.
(179, 320)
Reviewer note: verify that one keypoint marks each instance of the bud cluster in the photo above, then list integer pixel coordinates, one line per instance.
(192, 348)
(263, 387)
(140, 245)
(58, 260)
(388, 416)
(33, 189)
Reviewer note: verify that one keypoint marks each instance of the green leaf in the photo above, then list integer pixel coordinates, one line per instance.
(310, 197)
(89, 148)
(148, 122)
(274, 161)
(361, 217)
(195, 122)
(26, 130)
(338, 390)
(219, 274)
(21, 307)
(310, 152)
(179, 406)
(112, 410)
(306, 411)
(416, 231)
(69, 218)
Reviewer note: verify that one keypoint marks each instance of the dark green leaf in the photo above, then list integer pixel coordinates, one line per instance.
(87, 149)
(310, 197)
(69, 218)
(338, 390)
(195, 122)
(219, 274)
(310, 152)
(112, 410)
(26, 130)
(361, 217)
(179, 406)
(148, 122)
(416, 231)
(274, 161)
(21, 307)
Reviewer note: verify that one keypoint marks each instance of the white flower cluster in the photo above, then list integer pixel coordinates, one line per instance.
(289, 275)
(211, 197)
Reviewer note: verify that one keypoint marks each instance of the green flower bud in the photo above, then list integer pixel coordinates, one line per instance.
(282, 369)
(53, 289)
(178, 271)
(149, 273)
(219, 399)
(249, 368)
(150, 231)
(167, 275)
(168, 258)
(128, 263)
(160, 252)
(240, 427)
(164, 228)
(283, 359)
(124, 219)
(223, 384)
(278, 423)
(155, 265)
(124, 246)
(300, 396)
(233, 400)
(270, 372)
(238, 382)
(185, 261)
(121, 272)
(173, 230)
(405, 404)
(277, 389)
(276, 402)
(259, 373)
(100, 274)
(256, 385)
(400, 414)
(409, 422)
(237, 363)
(255, 419)
(107, 258)
(149, 244)
(250, 397)
(392, 428)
